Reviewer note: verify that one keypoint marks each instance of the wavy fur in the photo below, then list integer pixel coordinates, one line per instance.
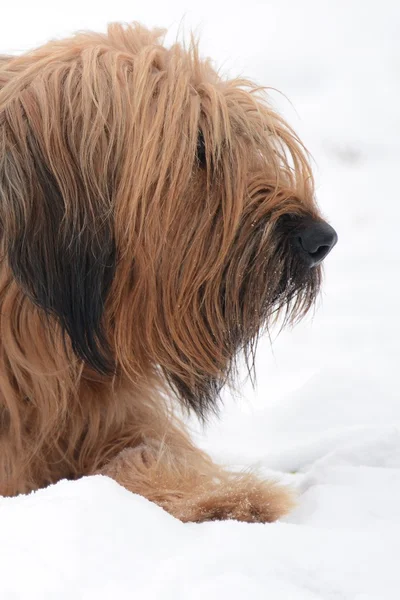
(144, 246)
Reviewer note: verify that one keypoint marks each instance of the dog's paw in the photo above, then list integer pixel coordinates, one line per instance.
(244, 498)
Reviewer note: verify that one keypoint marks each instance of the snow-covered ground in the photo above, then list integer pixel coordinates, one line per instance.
(326, 414)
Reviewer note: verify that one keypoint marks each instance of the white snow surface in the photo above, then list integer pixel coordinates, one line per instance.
(325, 416)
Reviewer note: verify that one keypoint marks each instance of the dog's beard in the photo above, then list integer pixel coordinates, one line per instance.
(265, 283)
(278, 289)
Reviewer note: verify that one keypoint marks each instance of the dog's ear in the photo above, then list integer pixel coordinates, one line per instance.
(56, 231)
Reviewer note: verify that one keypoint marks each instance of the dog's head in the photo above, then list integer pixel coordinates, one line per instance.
(162, 215)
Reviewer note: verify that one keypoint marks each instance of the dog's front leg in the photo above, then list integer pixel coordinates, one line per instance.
(187, 484)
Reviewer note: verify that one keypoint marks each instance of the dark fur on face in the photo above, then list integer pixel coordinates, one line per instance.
(64, 265)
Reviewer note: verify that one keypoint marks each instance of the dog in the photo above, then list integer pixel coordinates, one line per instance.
(155, 218)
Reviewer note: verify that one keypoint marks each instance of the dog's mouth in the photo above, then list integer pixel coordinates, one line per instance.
(277, 280)
(278, 287)
(295, 294)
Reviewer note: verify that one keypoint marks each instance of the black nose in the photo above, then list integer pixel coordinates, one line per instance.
(314, 241)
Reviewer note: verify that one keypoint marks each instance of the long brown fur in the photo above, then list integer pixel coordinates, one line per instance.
(142, 198)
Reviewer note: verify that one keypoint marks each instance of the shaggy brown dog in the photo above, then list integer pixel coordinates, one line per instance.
(154, 217)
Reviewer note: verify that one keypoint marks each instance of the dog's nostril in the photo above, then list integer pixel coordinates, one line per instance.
(320, 253)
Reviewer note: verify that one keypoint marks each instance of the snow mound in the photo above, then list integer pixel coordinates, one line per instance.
(91, 539)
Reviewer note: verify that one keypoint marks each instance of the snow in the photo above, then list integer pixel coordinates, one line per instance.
(92, 539)
(326, 414)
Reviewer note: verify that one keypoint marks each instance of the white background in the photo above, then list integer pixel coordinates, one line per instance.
(326, 414)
